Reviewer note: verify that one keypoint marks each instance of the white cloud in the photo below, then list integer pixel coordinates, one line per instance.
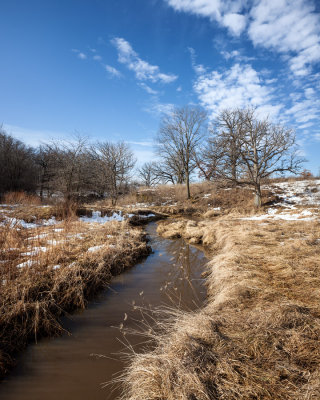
(79, 54)
(112, 71)
(236, 23)
(226, 12)
(289, 27)
(142, 143)
(142, 69)
(97, 57)
(240, 86)
(157, 108)
(148, 89)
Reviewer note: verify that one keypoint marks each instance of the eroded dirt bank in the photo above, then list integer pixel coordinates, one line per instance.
(258, 337)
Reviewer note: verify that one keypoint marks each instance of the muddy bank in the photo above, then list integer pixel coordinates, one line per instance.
(258, 337)
(73, 367)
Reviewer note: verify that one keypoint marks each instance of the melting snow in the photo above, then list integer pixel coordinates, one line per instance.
(96, 217)
(28, 263)
(95, 248)
(35, 251)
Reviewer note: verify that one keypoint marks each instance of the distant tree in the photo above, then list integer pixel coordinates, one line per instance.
(148, 174)
(179, 137)
(226, 142)
(170, 170)
(115, 162)
(306, 174)
(209, 159)
(70, 166)
(17, 165)
(46, 161)
(265, 149)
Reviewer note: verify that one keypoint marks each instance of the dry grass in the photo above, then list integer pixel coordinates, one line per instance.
(171, 199)
(47, 271)
(258, 337)
(21, 198)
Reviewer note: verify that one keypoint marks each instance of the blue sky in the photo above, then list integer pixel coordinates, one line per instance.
(110, 68)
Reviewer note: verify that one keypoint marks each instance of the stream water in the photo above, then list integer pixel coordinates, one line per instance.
(74, 366)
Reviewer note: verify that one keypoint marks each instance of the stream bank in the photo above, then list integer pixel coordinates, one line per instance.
(73, 367)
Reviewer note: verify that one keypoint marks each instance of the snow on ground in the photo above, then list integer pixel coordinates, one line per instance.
(14, 222)
(299, 201)
(93, 249)
(28, 263)
(96, 217)
(35, 251)
(298, 192)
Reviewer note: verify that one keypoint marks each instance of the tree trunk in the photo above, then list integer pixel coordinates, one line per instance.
(188, 185)
(257, 196)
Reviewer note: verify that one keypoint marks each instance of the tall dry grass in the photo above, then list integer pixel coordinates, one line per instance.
(48, 271)
(258, 337)
(21, 198)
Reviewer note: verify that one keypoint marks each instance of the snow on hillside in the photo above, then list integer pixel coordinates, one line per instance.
(299, 201)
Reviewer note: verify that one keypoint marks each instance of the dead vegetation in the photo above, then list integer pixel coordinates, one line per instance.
(258, 336)
(170, 199)
(48, 271)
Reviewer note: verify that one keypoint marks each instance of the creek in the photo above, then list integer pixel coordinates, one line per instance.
(75, 365)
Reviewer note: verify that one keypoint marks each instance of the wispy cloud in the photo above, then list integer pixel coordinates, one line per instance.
(113, 72)
(97, 57)
(157, 108)
(79, 54)
(34, 137)
(142, 143)
(142, 69)
(235, 55)
(288, 26)
(227, 13)
(291, 28)
(148, 89)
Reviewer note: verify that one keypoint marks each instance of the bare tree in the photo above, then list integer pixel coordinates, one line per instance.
(170, 170)
(266, 149)
(220, 157)
(148, 174)
(115, 161)
(209, 159)
(179, 136)
(47, 161)
(69, 166)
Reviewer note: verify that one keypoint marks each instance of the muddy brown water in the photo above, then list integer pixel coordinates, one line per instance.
(74, 366)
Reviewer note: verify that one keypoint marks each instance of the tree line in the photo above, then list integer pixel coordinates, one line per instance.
(238, 147)
(74, 169)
